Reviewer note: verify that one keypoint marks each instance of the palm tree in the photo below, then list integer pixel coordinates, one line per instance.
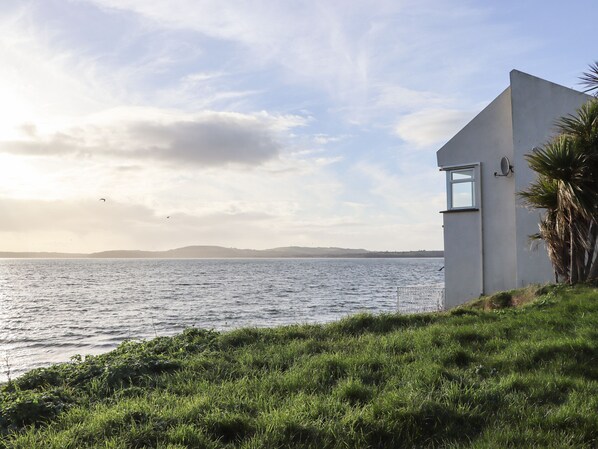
(544, 194)
(567, 190)
(590, 78)
(583, 128)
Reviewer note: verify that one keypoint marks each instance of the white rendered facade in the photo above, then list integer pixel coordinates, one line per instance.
(486, 236)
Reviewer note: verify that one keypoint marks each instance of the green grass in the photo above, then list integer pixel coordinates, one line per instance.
(484, 376)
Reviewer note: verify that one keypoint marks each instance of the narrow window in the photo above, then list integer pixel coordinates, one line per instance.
(461, 188)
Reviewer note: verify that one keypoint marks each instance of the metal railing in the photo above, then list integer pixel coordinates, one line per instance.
(420, 299)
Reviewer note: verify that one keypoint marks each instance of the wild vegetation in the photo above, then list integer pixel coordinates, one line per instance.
(483, 376)
(567, 189)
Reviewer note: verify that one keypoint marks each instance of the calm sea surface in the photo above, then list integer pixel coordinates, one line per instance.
(53, 309)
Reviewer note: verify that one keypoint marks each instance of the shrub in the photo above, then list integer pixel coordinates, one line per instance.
(500, 300)
(23, 408)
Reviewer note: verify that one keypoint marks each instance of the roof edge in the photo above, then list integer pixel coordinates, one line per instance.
(518, 73)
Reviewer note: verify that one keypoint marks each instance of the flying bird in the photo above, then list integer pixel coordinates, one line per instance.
(103, 199)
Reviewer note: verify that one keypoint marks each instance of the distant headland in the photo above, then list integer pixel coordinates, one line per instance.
(219, 252)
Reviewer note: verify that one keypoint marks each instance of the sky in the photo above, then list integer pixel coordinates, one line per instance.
(253, 124)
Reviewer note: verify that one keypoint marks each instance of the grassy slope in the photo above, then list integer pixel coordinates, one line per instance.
(516, 377)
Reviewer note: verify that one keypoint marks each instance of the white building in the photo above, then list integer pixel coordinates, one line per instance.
(486, 229)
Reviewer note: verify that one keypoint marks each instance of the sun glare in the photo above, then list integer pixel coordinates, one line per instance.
(15, 111)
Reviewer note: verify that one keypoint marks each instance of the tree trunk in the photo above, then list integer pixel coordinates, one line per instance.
(572, 254)
(593, 254)
(593, 273)
(581, 262)
(593, 234)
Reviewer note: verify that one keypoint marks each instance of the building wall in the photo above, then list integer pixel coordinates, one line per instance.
(498, 201)
(462, 257)
(536, 104)
(479, 262)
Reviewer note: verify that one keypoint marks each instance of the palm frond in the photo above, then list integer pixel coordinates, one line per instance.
(583, 126)
(541, 194)
(590, 78)
(558, 159)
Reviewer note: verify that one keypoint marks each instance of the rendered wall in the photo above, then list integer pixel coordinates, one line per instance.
(498, 200)
(476, 262)
(537, 104)
(462, 257)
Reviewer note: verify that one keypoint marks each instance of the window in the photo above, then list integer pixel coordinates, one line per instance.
(461, 188)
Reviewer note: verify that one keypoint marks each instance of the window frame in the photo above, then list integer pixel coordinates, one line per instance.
(474, 181)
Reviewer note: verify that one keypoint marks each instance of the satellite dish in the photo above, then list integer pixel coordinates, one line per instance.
(505, 167)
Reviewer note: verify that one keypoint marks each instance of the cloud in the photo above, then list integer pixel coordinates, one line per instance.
(40, 79)
(325, 139)
(364, 55)
(404, 99)
(92, 225)
(325, 42)
(54, 145)
(431, 126)
(77, 216)
(213, 141)
(402, 190)
(208, 139)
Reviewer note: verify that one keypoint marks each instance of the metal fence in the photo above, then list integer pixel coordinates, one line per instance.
(420, 298)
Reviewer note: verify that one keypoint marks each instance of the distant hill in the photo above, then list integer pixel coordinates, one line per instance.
(41, 255)
(219, 252)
